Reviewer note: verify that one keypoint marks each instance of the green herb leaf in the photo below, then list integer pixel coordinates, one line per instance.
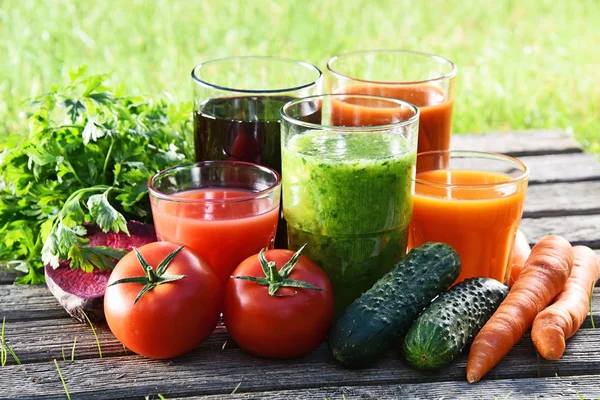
(91, 131)
(102, 257)
(105, 215)
(87, 157)
(74, 107)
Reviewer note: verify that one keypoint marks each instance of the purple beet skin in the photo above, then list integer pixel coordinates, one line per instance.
(77, 290)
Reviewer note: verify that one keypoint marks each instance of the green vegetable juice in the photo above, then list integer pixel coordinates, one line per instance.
(349, 196)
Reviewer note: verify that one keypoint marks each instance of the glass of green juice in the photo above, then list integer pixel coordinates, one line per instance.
(348, 184)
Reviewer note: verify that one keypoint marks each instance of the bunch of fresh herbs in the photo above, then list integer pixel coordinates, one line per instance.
(87, 159)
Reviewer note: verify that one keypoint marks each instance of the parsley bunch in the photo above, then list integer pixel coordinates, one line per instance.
(87, 159)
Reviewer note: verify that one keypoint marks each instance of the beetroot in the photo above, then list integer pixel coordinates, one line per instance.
(78, 290)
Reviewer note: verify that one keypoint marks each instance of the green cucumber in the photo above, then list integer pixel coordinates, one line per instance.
(377, 319)
(451, 322)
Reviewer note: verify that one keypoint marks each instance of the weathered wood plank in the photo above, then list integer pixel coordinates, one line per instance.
(576, 229)
(559, 199)
(33, 302)
(7, 276)
(585, 387)
(519, 143)
(562, 168)
(35, 340)
(38, 341)
(25, 303)
(207, 370)
(557, 168)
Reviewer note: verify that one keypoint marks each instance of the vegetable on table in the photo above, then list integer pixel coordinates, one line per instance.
(377, 319)
(544, 275)
(520, 251)
(162, 300)
(86, 160)
(278, 304)
(449, 324)
(566, 314)
(82, 293)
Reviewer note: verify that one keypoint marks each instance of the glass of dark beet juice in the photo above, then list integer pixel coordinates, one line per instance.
(236, 109)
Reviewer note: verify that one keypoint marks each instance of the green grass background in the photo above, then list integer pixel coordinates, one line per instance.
(522, 64)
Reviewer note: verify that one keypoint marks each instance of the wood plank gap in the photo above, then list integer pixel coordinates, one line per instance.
(533, 153)
(564, 181)
(560, 213)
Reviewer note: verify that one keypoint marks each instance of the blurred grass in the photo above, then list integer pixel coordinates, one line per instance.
(522, 64)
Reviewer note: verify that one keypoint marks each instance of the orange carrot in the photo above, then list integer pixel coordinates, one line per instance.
(563, 318)
(544, 275)
(518, 256)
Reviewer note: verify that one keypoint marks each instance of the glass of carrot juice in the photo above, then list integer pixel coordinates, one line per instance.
(422, 79)
(473, 201)
(224, 210)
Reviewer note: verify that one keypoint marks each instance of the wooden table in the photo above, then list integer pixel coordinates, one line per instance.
(563, 198)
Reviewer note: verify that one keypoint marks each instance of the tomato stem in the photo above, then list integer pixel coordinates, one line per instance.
(152, 278)
(276, 279)
(274, 273)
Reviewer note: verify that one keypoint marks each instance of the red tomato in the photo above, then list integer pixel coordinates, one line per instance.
(290, 324)
(173, 317)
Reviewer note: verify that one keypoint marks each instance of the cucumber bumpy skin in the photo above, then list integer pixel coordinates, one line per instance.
(451, 322)
(377, 319)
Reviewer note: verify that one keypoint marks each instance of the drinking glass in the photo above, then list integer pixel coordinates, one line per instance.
(224, 210)
(424, 80)
(236, 108)
(474, 202)
(348, 185)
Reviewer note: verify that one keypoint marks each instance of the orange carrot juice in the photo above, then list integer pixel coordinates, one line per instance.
(476, 212)
(435, 120)
(223, 225)
(425, 80)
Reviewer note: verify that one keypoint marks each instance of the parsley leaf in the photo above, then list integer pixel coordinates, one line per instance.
(107, 218)
(86, 159)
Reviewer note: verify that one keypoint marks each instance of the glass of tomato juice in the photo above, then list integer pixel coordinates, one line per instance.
(348, 185)
(473, 201)
(224, 210)
(422, 79)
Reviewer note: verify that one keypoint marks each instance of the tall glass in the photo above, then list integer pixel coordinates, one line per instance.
(424, 80)
(348, 185)
(236, 108)
(473, 201)
(224, 210)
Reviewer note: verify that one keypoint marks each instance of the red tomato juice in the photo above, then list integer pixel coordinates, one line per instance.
(221, 225)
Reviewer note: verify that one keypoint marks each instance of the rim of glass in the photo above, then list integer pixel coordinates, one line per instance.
(295, 121)
(439, 59)
(172, 170)
(305, 64)
(476, 154)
